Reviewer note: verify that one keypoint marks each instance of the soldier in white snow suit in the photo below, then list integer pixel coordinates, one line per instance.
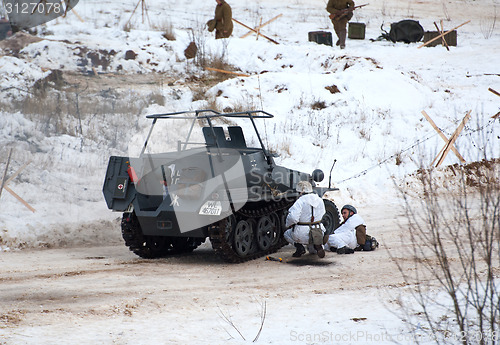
(304, 219)
(344, 239)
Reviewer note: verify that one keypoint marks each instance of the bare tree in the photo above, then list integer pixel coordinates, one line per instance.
(487, 25)
(454, 244)
(227, 319)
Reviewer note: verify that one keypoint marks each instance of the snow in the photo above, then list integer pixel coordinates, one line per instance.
(374, 118)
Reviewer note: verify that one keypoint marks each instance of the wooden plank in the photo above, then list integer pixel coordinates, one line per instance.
(438, 155)
(454, 138)
(443, 40)
(494, 92)
(17, 173)
(19, 198)
(497, 115)
(439, 36)
(227, 72)
(261, 26)
(77, 15)
(5, 172)
(135, 8)
(249, 28)
(258, 30)
(454, 149)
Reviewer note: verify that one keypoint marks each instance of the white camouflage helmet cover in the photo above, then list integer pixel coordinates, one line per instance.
(304, 187)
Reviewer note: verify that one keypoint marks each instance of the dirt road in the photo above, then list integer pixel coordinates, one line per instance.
(108, 295)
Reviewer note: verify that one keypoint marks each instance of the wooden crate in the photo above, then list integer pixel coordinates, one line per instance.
(321, 37)
(356, 31)
(451, 38)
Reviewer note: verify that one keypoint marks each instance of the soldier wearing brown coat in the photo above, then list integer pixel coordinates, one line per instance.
(223, 20)
(340, 19)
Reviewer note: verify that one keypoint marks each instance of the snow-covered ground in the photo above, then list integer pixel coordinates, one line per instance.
(373, 126)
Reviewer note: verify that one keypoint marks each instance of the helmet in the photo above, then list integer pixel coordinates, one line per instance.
(350, 208)
(304, 187)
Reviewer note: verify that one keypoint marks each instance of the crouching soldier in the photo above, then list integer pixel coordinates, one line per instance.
(351, 231)
(304, 221)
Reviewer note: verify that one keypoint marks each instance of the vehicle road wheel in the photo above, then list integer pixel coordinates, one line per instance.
(267, 231)
(331, 219)
(148, 247)
(243, 238)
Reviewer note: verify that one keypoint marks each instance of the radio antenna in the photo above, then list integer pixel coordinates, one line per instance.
(330, 177)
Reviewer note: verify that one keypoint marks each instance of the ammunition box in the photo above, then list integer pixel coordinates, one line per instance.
(451, 38)
(321, 37)
(356, 31)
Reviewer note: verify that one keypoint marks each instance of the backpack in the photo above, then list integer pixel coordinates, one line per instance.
(370, 244)
(406, 31)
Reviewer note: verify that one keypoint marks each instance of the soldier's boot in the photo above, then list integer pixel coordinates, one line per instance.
(345, 250)
(300, 250)
(342, 37)
(320, 251)
(338, 35)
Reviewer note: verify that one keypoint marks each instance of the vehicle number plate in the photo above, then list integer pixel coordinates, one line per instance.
(211, 208)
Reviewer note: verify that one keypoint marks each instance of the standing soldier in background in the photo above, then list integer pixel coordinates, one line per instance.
(5, 28)
(223, 21)
(340, 17)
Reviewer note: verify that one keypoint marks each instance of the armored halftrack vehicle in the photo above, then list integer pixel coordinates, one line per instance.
(218, 188)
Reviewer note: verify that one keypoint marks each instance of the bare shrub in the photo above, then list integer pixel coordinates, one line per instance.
(127, 26)
(318, 105)
(57, 112)
(283, 148)
(453, 242)
(204, 57)
(445, 10)
(197, 35)
(155, 97)
(237, 106)
(384, 11)
(198, 92)
(213, 104)
(409, 10)
(217, 61)
(226, 317)
(364, 134)
(399, 158)
(167, 28)
(199, 85)
(488, 25)
(241, 105)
